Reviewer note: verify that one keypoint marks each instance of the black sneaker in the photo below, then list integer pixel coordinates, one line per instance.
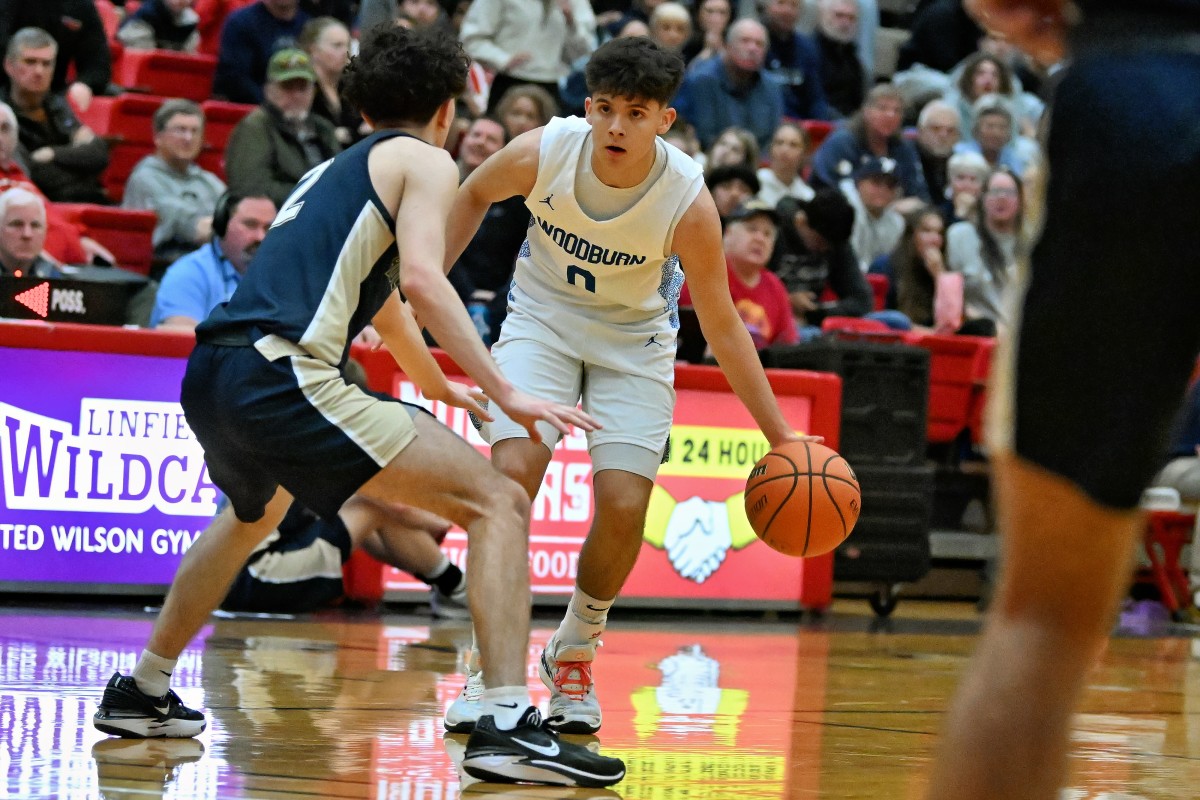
(127, 711)
(533, 753)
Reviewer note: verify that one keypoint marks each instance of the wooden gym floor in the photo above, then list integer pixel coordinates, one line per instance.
(712, 708)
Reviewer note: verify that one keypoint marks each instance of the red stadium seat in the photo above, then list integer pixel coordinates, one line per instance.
(127, 123)
(220, 118)
(952, 370)
(983, 368)
(110, 18)
(167, 73)
(128, 234)
(880, 284)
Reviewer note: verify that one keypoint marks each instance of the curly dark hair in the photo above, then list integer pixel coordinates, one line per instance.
(634, 67)
(401, 77)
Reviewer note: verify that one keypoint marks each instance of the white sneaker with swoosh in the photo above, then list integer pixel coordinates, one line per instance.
(532, 753)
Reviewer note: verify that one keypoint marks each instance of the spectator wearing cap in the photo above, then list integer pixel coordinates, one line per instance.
(873, 132)
(733, 89)
(170, 183)
(758, 295)
(274, 145)
(813, 254)
(23, 235)
(730, 186)
(877, 226)
(248, 39)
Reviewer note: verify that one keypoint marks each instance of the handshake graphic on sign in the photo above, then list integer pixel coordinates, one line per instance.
(697, 533)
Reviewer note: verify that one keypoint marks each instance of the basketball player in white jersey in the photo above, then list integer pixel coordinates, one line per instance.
(593, 316)
(265, 396)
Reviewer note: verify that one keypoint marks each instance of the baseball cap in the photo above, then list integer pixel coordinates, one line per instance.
(830, 214)
(753, 207)
(877, 167)
(289, 64)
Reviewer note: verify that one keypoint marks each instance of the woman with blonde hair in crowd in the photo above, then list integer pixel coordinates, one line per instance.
(785, 162)
(671, 26)
(524, 108)
(965, 174)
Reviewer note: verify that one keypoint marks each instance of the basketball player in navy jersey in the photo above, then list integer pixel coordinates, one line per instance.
(266, 397)
(1084, 392)
(593, 315)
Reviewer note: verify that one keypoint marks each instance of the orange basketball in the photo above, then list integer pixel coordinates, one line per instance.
(802, 499)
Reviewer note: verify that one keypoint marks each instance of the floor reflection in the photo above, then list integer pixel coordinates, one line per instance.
(350, 707)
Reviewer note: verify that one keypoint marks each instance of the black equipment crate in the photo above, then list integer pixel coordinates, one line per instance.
(885, 393)
(890, 542)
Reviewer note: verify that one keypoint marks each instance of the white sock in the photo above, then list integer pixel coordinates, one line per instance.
(153, 673)
(585, 619)
(507, 705)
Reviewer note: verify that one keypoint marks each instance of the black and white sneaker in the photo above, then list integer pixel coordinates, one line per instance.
(127, 711)
(533, 753)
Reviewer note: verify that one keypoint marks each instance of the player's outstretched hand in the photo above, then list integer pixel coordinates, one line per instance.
(527, 411)
(468, 397)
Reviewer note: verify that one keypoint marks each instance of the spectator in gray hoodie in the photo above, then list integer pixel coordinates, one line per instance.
(172, 185)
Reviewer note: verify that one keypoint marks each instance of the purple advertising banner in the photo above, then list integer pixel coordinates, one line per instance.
(101, 480)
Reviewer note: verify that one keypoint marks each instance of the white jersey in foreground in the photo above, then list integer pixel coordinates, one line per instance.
(600, 285)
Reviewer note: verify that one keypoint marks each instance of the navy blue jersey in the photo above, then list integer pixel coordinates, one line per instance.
(327, 265)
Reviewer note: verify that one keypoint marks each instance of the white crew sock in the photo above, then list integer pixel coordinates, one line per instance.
(153, 673)
(585, 619)
(507, 705)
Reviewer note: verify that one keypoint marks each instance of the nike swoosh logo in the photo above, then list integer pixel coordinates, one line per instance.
(549, 752)
(507, 705)
(592, 607)
(164, 672)
(162, 711)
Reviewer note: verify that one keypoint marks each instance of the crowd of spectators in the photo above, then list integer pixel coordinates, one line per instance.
(911, 176)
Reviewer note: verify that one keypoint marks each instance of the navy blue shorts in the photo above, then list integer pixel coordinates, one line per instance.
(291, 422)
(1111, 322)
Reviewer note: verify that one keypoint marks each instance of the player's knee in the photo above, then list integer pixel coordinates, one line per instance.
(625, 512)
(502, 499)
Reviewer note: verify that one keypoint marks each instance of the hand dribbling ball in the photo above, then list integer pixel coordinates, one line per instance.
(802, 499)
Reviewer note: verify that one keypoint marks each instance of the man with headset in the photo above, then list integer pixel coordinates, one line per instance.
(206, 277)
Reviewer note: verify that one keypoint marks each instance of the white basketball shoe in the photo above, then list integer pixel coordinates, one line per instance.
(567, 672)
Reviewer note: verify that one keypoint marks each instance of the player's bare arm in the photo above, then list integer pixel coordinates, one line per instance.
(1038, 27)
(398, 328)
(425, 180)
(511, 171)
(698, 242)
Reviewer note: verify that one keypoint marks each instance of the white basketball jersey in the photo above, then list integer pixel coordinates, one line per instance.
(603, 287)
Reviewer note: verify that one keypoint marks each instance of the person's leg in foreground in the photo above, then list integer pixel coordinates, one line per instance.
(1082, 408)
